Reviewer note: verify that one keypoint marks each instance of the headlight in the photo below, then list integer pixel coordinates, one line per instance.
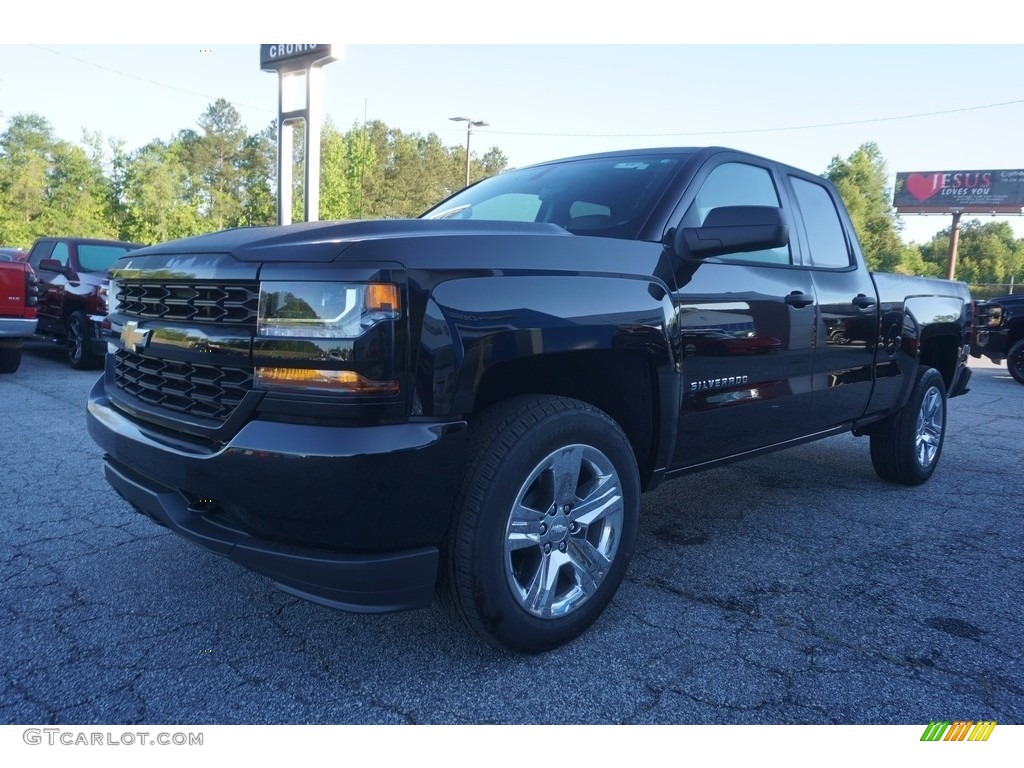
(322, 337)
(995, 315)
(324, 310)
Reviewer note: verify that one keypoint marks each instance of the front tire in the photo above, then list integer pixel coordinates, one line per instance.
(545, 522)
(80, 356)
(1015, 361)
(906, 449)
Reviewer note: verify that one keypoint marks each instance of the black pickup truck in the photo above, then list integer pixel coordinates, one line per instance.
(999, 332)
(472, 402)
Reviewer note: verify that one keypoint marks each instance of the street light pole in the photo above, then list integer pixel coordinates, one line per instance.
(470, 124)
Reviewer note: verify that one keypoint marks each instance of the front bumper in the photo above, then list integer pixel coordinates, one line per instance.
(350, 517)
(992, 344)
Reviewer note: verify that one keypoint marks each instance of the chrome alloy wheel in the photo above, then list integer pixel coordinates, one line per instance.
(928, 435)
(76, 340)
(563, 531)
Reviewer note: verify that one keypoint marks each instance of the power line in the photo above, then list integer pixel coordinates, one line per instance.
(143, 79)
(764, 130)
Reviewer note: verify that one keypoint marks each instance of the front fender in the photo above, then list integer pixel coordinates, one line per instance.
(473, 324)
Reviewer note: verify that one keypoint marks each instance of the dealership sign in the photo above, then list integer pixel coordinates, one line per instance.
(288, 57)
(955, 191)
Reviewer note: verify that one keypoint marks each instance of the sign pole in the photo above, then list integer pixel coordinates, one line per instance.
(954, 242)
(290, 61)
(314, 80)
(284, 151)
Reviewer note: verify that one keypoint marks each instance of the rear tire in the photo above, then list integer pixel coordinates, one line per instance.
(1015, 361)
(545, 522)
(906, 449)
(10, 359)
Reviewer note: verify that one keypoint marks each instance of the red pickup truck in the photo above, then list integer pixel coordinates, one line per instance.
(19, 296)
(73, 298)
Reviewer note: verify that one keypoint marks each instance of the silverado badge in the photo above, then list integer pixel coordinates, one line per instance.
(132, 337)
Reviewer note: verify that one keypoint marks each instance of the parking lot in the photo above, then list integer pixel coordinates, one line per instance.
(793, 588)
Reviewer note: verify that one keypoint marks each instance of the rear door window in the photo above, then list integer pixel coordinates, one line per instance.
(826, 241)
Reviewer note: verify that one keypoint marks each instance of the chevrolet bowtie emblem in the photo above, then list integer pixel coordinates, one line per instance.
(133, 338)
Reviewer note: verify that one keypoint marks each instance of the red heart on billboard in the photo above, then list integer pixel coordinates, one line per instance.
(922, 187)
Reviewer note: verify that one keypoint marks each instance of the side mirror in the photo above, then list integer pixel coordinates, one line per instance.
(733, 229)
(52, 265)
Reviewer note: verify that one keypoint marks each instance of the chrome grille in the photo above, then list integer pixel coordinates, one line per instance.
(206, 391)
(199, 302)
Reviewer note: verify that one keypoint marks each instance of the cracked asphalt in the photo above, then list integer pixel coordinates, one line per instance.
(793, 588)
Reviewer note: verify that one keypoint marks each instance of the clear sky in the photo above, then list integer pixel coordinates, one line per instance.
(549, 88)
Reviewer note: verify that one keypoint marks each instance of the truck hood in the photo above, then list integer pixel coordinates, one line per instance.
(324, 241)
(1015, 300)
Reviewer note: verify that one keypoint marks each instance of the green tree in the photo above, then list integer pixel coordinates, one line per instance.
(258, 176)
(402, 175)
(214, 157)
(861, 181)
(215, 177)
(26, 158)
(441, 174)
(986, 252)
(492, 163)
(77, 197)
(155, 195)
(416, 173)
(913, 263)
(334, 187)
(49, 186)
(373, 177)
(361, 157)
(298, 173)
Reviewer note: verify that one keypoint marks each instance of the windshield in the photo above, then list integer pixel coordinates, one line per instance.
(606, 196)
(98, 258)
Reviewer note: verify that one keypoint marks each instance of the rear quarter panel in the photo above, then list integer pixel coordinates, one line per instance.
(914, 313)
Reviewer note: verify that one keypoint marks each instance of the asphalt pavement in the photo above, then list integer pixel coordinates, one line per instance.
(792, 588)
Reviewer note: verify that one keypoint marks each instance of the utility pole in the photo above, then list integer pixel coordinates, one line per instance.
(470, 125)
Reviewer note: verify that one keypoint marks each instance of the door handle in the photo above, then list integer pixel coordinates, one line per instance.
(799, 299)
(862, 301)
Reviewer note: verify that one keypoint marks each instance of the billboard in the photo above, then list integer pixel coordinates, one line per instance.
(953, 191)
